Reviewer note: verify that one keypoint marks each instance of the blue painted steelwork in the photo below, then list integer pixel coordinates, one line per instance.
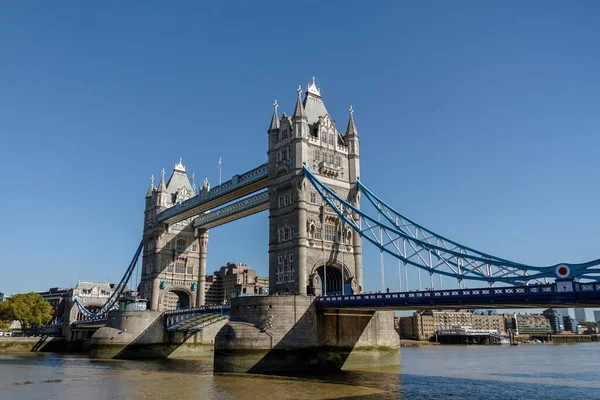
(260, 200)
(194, 319)
(111, 303)
(564, 293)
(422, 248)
(235, 183)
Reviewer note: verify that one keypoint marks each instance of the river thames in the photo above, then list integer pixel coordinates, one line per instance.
(429, 372)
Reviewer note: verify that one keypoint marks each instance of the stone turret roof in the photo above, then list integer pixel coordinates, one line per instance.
(151, 188)
(178, 180)
(275, 120)
(299, 110)
(351, 130)
(313, 103)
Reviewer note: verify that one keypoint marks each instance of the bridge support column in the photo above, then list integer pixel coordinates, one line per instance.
(302, 277)
(155, 294)
(202, 235)
(270, 334)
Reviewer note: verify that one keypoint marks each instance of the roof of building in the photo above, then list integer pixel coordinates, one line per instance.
(179, 180)
(93, 284)
(313, 104)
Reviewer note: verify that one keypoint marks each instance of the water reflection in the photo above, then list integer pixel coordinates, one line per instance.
(551, 372)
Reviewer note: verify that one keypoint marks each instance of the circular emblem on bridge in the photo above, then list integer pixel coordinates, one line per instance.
(563, 271)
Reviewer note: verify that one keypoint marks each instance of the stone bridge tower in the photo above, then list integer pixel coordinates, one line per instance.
(310, 249)
(171, 258)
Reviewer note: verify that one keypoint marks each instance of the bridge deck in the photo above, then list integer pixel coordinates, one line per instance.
(582, 295)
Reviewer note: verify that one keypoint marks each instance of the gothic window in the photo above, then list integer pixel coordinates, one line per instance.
(180, 266)
(148, 268)
(190, 269)
(330, 233)
(168, 246)
(278, 156)
(180, 245)
(331, 139)
(313, 197)
(317, 155)
(194, 247)
(170, 267)
(317, 233)
(280, 201)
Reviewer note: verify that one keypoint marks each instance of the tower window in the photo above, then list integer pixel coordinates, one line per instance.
(180, 244)
(313, 197)
(180, 266)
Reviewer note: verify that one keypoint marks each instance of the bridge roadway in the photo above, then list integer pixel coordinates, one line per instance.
(237, 187)
(539, 296)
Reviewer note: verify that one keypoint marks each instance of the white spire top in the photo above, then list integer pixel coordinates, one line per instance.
(162, 173)
(299, 90)
(275, 105)
(313, 89)
(351, 110)
(179, 166)
(152, 181)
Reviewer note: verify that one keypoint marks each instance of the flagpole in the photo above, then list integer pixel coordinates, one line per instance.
(219, 170)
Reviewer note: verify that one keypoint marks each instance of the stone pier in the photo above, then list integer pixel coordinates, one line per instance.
(141, 334)
(270, 334)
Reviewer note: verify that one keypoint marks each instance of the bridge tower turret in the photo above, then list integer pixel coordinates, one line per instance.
(170, 259)
(310, 251)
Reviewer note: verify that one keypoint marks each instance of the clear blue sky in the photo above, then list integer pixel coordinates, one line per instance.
(478, 119)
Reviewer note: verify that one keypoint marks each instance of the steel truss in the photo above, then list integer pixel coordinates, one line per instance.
(111, 303)
(420, 247)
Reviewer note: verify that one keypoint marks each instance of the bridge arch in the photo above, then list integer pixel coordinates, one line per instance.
(332, 270)
(175, 298)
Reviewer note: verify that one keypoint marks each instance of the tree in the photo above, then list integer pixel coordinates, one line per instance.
(6, 316)
(30, 309)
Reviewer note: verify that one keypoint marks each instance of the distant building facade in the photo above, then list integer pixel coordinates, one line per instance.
(531, 324)
(1, 297)
(555, 319)
(91, 294)
(234, 280)
(57, 297)
(424, 325)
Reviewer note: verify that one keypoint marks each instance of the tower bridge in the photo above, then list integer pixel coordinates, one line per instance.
(312, 190)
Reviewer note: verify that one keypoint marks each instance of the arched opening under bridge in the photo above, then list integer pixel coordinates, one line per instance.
(174, 300)
(332, 276)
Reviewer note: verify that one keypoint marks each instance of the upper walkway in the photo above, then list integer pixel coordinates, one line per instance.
(235, 188)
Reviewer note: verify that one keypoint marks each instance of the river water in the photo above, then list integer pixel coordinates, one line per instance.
(430, 372)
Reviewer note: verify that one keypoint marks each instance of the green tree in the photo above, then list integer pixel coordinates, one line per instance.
(6, 316)
(30, 309)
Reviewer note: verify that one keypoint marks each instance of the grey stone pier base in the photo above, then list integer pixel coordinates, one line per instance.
(141, 334)
(270, 334)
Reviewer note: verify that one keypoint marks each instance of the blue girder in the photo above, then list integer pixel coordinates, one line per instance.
(111, 303)
(416, 245)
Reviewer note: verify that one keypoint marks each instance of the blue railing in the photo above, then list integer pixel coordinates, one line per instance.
(234, 183)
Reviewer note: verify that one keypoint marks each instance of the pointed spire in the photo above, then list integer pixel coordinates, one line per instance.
(351, 130)
(161, 186)
(299, 110)
(151, 188)
(275, 120)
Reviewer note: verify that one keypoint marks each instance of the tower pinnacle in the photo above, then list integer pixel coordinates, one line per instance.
(162, 187)
(275, 120)
(351, 130)
(151, 188)
(313, 89)
(299, 110)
